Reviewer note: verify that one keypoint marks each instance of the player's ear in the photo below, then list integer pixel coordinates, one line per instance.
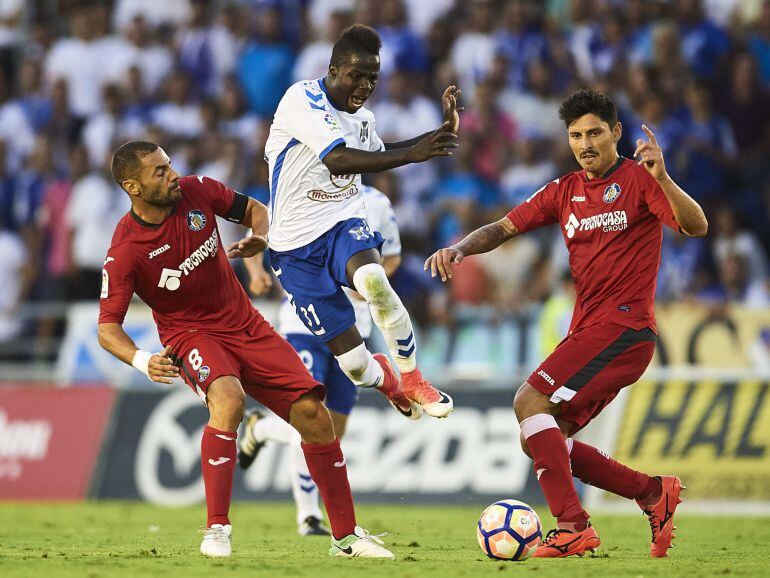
(130, 186)
(332, 71)
(617, 131)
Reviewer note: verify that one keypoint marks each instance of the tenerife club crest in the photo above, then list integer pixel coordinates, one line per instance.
(360, 233)
(364, 134)
(611, 193)
(196, 220)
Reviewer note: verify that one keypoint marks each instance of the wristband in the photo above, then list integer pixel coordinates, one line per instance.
(141, 361)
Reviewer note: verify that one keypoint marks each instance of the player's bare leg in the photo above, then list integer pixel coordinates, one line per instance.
(367, 276)
(327, 466)
(226, 400)
(367, 370)
(544, 442)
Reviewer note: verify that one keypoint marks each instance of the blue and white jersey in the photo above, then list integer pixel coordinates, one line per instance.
(306, 200)
(381, 218)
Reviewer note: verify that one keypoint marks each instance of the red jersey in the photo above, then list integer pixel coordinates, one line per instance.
(612, 228)
(179, 267)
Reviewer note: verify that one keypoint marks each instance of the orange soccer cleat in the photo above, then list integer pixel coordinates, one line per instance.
(434, 402)
(392, 390)
(661, 515)
(562, 543)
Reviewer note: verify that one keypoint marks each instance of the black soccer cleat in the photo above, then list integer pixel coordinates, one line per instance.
(248, 446)
(312, 526)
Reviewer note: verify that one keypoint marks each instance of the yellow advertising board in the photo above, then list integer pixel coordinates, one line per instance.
(714, 434)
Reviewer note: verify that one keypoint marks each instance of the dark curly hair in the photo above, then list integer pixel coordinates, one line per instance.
(355, 40)
(588, 102)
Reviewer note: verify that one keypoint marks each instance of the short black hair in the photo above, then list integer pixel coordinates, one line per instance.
(588, 102)
(355, 40)
(128, 157)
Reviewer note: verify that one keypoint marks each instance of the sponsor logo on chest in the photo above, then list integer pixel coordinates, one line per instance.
(607, 222)
(171, 278)
(158, 251)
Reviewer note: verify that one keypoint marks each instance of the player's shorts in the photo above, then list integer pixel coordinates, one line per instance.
(341, 393)
(313, 276)
(590, 366)
(269, 370)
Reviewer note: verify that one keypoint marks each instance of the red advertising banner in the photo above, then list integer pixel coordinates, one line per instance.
(50, 440)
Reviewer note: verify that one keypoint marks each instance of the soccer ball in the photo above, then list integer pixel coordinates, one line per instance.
(509, 530)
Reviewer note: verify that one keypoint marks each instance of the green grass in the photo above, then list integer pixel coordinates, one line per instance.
(133, 539)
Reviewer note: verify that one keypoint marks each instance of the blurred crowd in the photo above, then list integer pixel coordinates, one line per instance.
(203, 77)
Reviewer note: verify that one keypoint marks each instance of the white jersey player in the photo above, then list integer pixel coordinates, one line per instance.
(321, 140)
(341, 394)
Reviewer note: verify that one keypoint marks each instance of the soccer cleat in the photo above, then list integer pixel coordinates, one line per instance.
(216, 541)
(562, 543)
(360, 544)
(661, 515)
(418, 389)
(248, 446)
(312, 526)
(392, 390)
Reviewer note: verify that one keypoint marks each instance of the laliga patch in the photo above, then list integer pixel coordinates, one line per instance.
(196, 220)
(611, 193)
(331, 121)
(203, 373)
(105, 284)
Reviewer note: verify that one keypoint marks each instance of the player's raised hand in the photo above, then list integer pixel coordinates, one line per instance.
(651, 155)
(441, 262)
(161, 368)
(247, 247)
(438, 143)
(450, 108)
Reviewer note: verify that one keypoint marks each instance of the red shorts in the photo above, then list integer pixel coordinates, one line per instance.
(268, 368)
(590, 366)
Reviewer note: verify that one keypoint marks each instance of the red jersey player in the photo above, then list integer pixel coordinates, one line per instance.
(610, 215)
(167, 250)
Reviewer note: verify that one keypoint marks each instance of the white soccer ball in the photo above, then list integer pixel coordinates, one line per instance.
(509, 530)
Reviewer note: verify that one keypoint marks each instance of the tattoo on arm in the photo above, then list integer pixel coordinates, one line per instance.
(488, 237)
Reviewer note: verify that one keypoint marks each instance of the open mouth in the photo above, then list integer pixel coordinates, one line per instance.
(357, 100)
(587, 156)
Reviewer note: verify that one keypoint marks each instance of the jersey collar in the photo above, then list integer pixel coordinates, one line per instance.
(322, 84)
(144, 223)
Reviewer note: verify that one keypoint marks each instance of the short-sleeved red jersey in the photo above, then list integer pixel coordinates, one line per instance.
(612, 227)
(179, 267)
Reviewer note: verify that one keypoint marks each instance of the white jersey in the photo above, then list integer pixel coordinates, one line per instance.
(306, 200)
(381, 218)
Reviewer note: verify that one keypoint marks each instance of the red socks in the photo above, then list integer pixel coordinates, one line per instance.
(598, 469)
(218, 464)
(326, 464)
(552, 468)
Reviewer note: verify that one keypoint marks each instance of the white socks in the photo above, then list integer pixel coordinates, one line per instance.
(303, 488)
(361, 367)
(388, 313)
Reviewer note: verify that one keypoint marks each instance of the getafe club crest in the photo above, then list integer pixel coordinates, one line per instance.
(364, 134)
(196, 220)
(611, 193)
(203, 373)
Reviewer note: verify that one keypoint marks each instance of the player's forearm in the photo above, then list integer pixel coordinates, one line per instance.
(348, 161)
(256, 218)
(404, 144)
(688, 213)
(487, 238)
(255, 265)
(113, 339)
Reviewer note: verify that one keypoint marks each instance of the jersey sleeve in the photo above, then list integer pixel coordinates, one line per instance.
(308, 119)
(658, 204)
(375, 143)
(225, 202)
(117, 287)
(540, 209)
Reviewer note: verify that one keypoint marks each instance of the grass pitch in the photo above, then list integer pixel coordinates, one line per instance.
(133, 539)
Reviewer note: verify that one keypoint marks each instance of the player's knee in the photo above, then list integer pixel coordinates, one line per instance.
(309, 416)
(529, 401)
(372, 283)
(227, 400)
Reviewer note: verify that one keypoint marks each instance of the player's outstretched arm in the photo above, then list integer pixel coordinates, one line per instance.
(256, 218)
(157, 367)
(345, 161)
(481, 240)
(689, 214)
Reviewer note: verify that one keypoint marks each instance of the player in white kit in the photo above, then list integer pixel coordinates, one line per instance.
(320, 142)
(341, 394)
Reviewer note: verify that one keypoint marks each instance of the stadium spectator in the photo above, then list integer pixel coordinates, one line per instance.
(731, 239)
(15, 279)
(474, 50)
